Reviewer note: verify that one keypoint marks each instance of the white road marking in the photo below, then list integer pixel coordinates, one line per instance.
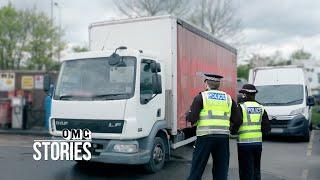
(310, 145)
(304, 175)
(305, 172)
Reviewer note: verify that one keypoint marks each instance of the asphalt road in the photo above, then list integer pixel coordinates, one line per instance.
(283, 158)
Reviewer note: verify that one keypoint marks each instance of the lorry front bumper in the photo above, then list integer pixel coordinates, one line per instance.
(104, 152)
(298, 126)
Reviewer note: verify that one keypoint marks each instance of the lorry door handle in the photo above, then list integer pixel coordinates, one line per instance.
(159, 112)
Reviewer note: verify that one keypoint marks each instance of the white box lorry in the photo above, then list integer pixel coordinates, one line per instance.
(132, 100)
(284, 92)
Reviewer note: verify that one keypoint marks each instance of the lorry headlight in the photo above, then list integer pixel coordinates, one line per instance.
(297, 111)
(125, 148)
(52, 124)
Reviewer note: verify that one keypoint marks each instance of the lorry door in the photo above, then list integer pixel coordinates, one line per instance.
(151, 106)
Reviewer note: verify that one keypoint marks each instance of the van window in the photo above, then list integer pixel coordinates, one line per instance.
(280, 95)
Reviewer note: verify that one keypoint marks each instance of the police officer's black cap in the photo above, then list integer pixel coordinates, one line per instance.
(212, 77)
(248, 89)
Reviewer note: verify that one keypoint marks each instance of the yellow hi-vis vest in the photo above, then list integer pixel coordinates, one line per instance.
(250, 130)
(215, 115)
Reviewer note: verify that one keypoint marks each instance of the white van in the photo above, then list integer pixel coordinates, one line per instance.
(285, 94)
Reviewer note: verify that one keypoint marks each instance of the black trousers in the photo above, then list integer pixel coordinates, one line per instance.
(249, 157)
(218, 147)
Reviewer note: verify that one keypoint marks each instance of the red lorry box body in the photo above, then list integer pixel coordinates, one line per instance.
(198, 54)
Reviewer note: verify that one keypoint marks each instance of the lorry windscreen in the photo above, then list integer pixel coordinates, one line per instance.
(96, 79)
(280, 95)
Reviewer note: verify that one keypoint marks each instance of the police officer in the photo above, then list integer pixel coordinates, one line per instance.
(213, 112)
(255, 122)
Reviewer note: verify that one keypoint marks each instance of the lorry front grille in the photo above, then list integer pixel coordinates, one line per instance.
(279, 123)
(95, 126)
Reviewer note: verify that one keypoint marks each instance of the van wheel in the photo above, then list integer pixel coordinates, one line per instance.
(306, 137)
(157, 158)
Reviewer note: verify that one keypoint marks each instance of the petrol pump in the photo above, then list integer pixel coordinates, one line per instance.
(17, 104)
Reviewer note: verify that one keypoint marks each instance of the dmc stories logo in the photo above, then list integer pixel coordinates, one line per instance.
(75, 145)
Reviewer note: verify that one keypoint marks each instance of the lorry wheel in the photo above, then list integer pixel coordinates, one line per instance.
(82, 162)
(157, 156)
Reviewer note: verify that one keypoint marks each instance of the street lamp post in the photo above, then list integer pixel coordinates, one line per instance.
(51, 45)
(59, 40)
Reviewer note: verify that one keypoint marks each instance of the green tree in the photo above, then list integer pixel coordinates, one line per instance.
(275, 59)
(44, 43)
(28, 39)
(300, 54)
(11, 37)
(80, 49)
(243, 71)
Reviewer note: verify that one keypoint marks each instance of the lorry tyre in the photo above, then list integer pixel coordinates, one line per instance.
(82, 162)
(157, 156)
(306, 137)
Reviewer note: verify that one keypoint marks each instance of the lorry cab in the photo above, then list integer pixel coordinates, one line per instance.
(91, 84)
(117, 95)
(285, 94)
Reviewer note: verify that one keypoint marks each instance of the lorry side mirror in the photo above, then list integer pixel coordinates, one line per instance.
(310, 101)
(114, 59)
(156, 84)
(153, 67)
(158, 67)
(46, 83)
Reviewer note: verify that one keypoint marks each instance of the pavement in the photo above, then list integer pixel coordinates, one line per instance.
(282, 159)
(36, 131)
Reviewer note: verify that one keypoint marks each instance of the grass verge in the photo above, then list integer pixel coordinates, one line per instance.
(315, 115)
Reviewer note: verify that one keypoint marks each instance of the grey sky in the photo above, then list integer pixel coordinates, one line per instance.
(280, 25)
(268, 25)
